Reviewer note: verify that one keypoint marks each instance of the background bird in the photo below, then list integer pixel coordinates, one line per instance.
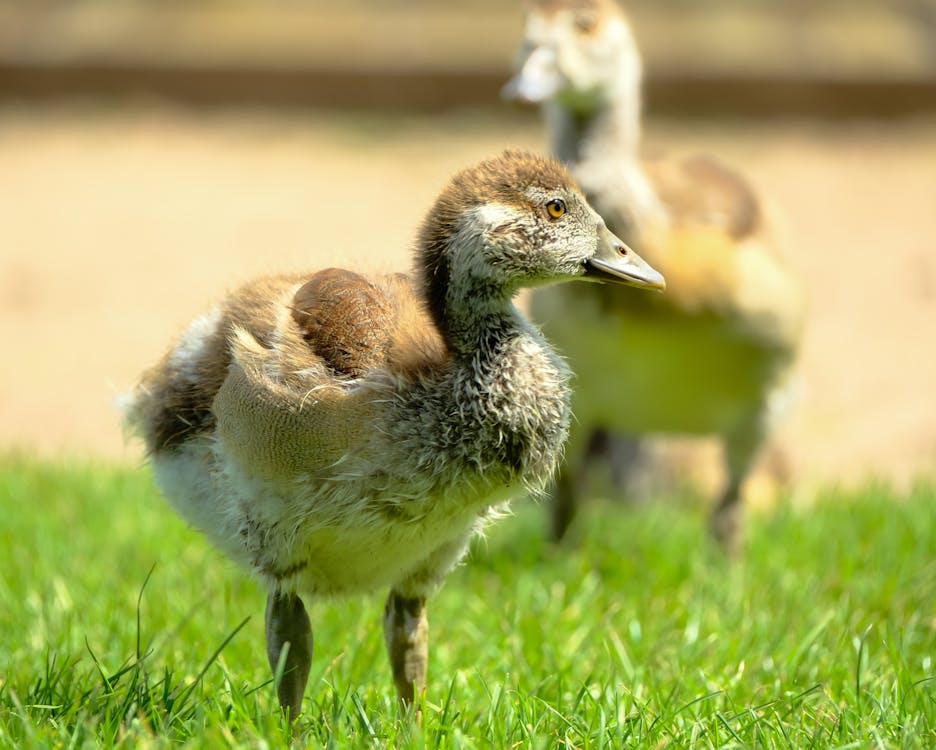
(336, 433)
(714, 354)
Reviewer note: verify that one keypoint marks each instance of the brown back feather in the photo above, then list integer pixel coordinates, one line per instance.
(175, 406)
(342, 317)
(700, 191)
(338, 319)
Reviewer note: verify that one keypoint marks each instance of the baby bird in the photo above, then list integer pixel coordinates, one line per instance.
(337, 433)
(712, 355)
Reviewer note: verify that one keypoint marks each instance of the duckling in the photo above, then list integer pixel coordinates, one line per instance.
(714, 354)
(337, 432)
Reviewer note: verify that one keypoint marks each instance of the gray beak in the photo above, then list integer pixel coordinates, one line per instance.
(615, 262)
(536, 81)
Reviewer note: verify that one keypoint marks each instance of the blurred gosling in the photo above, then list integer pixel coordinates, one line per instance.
(711, 356)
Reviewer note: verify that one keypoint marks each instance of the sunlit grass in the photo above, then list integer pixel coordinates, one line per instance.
(119, 627)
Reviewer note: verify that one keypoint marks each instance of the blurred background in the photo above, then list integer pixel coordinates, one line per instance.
(154, 154)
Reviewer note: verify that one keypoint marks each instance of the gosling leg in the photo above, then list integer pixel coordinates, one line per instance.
(572, 485)
(623, 452)
(288, 626)
(564, 504)
(726, 522)
(406, 632)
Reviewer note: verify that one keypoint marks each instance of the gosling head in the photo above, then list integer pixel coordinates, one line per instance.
(580, 54)
(515, 221)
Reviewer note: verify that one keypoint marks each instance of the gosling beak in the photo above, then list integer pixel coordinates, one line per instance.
(615, 262)
(535, 82)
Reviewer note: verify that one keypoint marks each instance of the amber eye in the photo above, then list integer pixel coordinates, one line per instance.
(556, 207)
(585, 21)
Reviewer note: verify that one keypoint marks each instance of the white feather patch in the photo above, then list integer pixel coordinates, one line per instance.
(191, 344)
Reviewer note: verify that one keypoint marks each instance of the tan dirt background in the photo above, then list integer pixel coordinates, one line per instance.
(119, 224)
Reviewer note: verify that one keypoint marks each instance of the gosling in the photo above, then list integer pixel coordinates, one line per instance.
(714, 354)
(337, 433)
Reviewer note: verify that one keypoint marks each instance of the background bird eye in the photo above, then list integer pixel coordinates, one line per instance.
(556, 207)
(586, 21)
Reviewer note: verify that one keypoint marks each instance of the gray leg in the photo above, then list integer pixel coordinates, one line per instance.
(406, 627)
(626, 454)
(406, 631)
(623, 455)
(726, 523)
(571, 483)
(564, 504)
(288, 626)
(726, 520)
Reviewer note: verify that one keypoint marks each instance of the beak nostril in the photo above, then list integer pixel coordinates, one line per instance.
(622, 251)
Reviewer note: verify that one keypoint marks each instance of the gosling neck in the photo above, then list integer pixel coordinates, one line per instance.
(477, 320)
(600, 141)
(606, 128)
(468, 304)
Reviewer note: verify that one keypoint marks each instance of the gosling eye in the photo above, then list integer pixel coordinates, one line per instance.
(556, 208)
(585, 21)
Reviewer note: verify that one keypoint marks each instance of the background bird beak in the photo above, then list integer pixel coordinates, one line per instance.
(535, 82)
(615, 262)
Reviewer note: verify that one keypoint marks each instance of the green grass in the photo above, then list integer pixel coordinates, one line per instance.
(119, 627)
